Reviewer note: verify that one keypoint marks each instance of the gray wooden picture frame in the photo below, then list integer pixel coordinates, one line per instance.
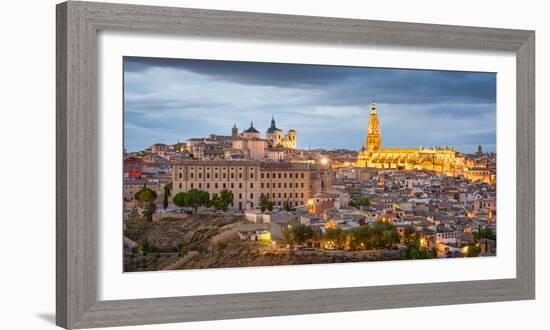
(78, 24)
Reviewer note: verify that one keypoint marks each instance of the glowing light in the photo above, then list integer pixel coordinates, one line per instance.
(323, 161)
(423, 242)
(265, 237)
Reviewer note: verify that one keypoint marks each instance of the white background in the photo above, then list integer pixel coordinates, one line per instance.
(27, 132)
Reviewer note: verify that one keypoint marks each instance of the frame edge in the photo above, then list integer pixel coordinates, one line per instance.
(76, 282)
(61, 289)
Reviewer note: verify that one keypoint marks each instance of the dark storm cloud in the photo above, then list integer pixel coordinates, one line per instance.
(328, 105)
(390, 85)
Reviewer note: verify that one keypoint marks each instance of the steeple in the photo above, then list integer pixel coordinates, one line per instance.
(373, 106)
(273, 127)
(374, 137)
(251, 129)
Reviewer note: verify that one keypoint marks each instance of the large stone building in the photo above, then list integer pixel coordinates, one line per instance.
(250, 143)
(282, 182)
(480, 168)
(444, 160)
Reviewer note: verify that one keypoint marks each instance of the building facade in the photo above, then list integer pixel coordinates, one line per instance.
(282, 182)
(277, 138)
(439, 159)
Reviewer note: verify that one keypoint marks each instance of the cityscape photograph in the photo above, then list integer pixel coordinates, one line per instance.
(247, 164)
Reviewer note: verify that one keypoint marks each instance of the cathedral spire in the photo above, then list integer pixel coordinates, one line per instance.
(374, 137)
(373, 106)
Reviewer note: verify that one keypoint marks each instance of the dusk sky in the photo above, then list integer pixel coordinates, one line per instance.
(170, 100)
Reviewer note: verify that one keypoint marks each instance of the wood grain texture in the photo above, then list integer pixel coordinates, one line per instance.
(77, 152)
(61, 166)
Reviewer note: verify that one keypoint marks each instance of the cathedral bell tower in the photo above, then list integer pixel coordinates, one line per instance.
(374, 138)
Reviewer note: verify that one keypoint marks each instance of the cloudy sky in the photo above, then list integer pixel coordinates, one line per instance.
(170, 100)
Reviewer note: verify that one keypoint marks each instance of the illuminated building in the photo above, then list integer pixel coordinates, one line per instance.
(276, 137)
(445, 160)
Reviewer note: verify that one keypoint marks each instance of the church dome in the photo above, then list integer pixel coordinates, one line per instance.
(251, 129)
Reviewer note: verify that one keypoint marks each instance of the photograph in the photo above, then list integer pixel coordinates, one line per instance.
(239, 164)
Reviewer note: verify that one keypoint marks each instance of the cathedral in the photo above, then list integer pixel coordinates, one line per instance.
(444, 160)
(276, 138)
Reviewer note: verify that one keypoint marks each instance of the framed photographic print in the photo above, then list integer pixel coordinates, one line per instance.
(216, 165)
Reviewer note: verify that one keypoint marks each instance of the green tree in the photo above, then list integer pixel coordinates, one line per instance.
(297, 234)
(196, 198)
(383, 235)
(222, 200)
(179, 200)
(414, 251)
(361, 202)
(302, 233)
(146, 195)
(411, 236)
(288, 236)
(147, 198)
(265, 203)
(167, 193)
(148, 247)
(484, 232)
(335, 235)
(473, 251)
(362, 236)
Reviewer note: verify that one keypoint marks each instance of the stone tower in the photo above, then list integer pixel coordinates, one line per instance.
(290, 139)
(274, 135)
(234, 131)
(374, 138)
